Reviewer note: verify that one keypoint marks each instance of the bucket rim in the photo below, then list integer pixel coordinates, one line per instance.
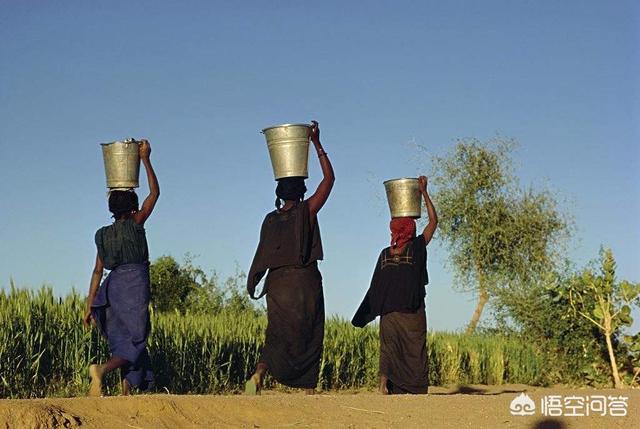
(399, 178)
(285, 126)
(129, 140)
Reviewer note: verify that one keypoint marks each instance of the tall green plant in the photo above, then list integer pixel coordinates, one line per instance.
(606, 303)
(571, 346)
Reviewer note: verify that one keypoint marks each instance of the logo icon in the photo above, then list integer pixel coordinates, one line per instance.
(522, 405)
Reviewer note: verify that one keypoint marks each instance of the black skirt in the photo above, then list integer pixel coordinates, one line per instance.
(295, 329)
(403, 351)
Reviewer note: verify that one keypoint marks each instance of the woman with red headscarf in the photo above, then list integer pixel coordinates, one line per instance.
(397, 295)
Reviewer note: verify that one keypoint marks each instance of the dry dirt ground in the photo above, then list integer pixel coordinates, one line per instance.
(459, 407)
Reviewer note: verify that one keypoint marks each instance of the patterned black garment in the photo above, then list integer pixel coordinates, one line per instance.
(289, 249)
(398, 283)
(397, 295)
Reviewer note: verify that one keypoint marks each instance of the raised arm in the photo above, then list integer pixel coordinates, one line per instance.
(154, 188)
(431, 211)
(96, 276)
(317, 200)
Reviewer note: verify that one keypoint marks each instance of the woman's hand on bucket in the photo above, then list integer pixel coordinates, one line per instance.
(315, 132)
(422, 180)
(144, 149)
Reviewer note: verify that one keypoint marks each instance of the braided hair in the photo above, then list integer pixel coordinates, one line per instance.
(290, 189)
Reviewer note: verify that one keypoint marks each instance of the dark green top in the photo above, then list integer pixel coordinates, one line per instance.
(122, 242)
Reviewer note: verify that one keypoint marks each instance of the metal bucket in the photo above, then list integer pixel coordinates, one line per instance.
(403, 196)
(121, 164)
(288, 149)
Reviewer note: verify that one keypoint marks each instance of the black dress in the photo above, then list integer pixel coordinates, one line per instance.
(397, 295)
(289, 249)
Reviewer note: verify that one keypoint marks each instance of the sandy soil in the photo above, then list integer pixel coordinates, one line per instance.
(467, 407)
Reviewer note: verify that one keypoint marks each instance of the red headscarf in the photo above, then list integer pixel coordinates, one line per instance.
(403, 229)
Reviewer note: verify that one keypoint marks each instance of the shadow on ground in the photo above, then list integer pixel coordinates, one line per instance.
(475, 390)
(549, 424)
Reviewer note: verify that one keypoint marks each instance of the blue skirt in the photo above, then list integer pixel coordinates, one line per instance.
(121, 312)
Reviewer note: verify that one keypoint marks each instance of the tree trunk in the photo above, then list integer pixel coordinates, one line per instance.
(612, 358)
(482, 300)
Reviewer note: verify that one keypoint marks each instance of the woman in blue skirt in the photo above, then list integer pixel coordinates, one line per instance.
(120, 306)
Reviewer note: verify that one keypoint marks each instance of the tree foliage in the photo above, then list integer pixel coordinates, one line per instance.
(186, 287)
(499, 234)
(171, 284)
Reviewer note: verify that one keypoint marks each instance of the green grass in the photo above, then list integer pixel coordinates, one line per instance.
(45, 351)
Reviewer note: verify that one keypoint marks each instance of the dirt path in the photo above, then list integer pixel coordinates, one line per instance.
(469, 407)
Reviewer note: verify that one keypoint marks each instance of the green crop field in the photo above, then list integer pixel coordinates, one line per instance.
(45, 351)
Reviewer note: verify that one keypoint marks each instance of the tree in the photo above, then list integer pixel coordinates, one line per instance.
(498, 234)
(186, 287)
(604, 302)
(213, 296)
(171, 284)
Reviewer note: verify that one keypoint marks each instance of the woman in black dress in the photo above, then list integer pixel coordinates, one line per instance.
(397, 295)
(289, 249)
(120, 306)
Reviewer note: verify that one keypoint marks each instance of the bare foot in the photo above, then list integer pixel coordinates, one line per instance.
(257, 378)
(383, 389)
(95, 372)
(126, 387)
(253, 386)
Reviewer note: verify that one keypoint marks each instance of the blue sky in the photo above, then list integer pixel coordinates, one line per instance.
(200, 79)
